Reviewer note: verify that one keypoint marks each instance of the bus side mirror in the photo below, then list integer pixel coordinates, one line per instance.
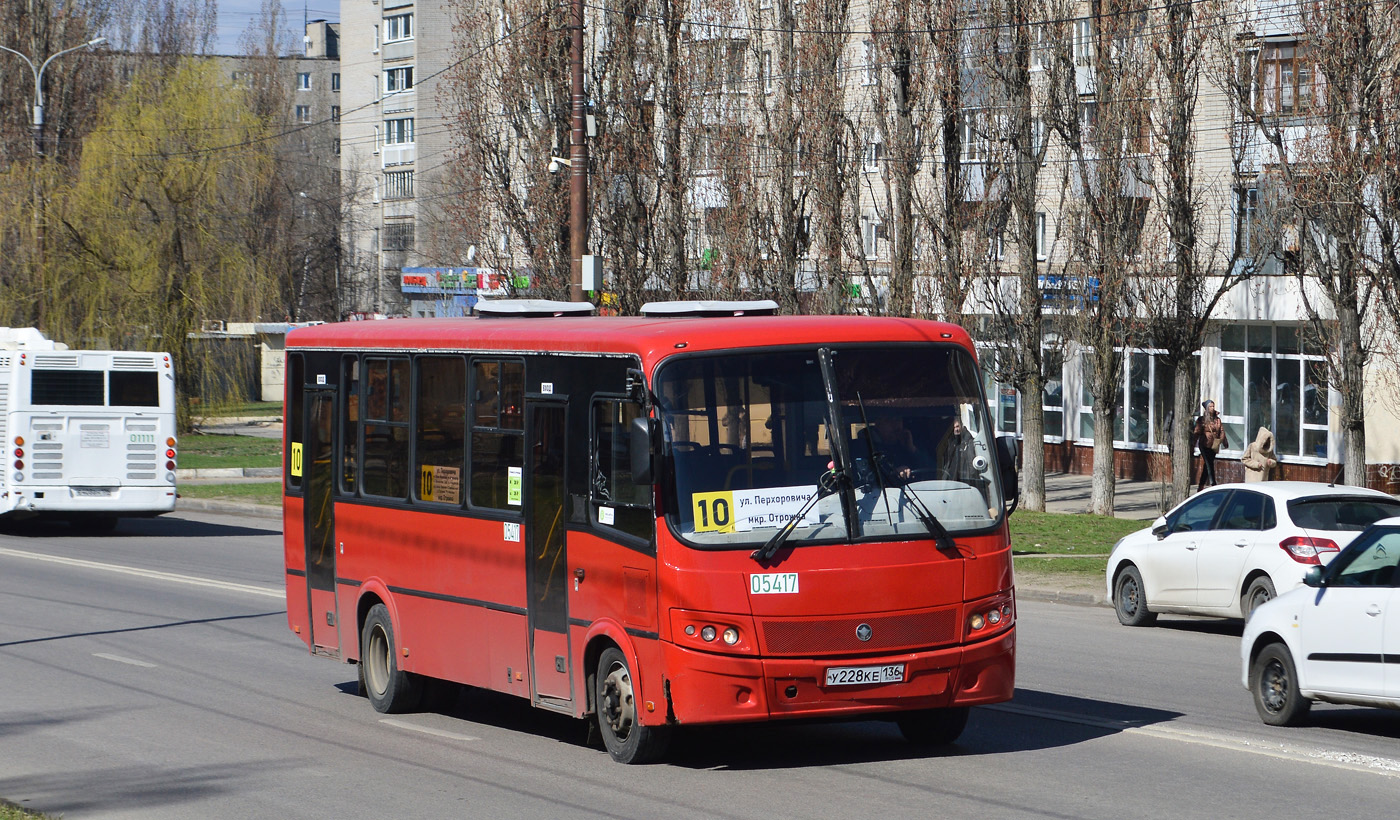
(640, 450)
(1006, 464)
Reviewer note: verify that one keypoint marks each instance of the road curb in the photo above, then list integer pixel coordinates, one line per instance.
(1058, 596)
(232, 507)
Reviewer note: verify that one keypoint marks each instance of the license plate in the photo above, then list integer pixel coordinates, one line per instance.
(853, 675)
(92, 492)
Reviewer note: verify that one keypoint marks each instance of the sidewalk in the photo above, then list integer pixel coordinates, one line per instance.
(1067, 493)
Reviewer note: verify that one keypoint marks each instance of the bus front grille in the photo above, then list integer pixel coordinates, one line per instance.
(913, 630)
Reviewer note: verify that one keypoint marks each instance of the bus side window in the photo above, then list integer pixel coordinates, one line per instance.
(617, 501)
(498, 427)
(294, 423)
(349, 423)
(440, 430)
(386, 428)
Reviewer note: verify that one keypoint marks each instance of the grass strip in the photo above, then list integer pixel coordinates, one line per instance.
(251, 492)
(214, 450)
(1068, 533)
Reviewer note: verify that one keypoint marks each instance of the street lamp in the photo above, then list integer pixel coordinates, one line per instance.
(39, 87)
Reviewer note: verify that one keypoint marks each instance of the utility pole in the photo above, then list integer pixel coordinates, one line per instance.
(578, 159)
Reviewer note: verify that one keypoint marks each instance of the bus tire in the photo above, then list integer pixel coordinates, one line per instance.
(389, 688)
(624, 736)
(933, 727)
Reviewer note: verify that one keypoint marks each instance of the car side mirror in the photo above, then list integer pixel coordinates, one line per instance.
(641, 452)
(1159, 527)
(1313, 577)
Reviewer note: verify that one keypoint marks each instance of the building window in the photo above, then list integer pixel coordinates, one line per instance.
(398, 235)
(304, 81)
(398, 79)
(335, 146)
(1083, 42)
(871, 72)
(303, 113)
(874, 151)
(335, 81)
(1041, 245)
(872, 233)
(398, 132)
(766, 67)
(1052, 402)
(1275, 377)
(376, 41)
(335, 113)
(1286, 80)
(398, 185)
(1250, 230)
(398, 27)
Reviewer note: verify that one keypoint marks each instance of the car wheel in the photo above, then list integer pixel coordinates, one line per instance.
(389, 688)
(1274, 682)
(626, 739)
(1129, 601)
(1260, 592)
(933, 727)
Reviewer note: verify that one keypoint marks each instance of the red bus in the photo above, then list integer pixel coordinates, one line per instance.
(655, 521)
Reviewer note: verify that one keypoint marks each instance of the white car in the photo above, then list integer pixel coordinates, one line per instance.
(1336, 639)
(1230, 548)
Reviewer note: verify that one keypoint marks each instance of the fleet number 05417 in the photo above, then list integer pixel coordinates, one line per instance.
(773, 583)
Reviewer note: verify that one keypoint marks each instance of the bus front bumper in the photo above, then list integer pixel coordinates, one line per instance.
(710, 688)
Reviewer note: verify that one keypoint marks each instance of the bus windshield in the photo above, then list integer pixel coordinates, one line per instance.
(855, 442)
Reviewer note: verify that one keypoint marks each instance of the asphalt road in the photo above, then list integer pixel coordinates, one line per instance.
(151, 674)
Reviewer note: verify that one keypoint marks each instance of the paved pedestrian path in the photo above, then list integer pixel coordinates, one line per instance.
(1069, 493)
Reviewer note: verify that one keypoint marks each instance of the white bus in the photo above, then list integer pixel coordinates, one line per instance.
(87, 436)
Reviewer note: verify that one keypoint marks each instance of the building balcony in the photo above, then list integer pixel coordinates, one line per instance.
(398, 154)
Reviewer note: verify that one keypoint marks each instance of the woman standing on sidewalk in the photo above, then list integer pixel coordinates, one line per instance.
(1207, 436)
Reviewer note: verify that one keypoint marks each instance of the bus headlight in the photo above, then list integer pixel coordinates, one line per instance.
(712, 632)
(990, 616)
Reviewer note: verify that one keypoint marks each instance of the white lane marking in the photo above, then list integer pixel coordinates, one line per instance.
(147, 573)
(120, 659)
(1316, 755)
(427, 730)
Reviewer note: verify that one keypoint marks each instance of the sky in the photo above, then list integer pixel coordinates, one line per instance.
(235, 15)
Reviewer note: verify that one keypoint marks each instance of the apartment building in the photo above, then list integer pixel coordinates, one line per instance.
(1261, 360)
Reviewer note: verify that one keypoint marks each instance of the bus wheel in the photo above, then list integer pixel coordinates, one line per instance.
(933, 727)
(626, 739)
(389, 688)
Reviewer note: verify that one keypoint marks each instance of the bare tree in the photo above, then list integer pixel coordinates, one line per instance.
(512, 113)
(1025, 31)
(1321, 120)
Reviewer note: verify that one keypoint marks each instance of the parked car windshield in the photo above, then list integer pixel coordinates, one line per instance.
(1344, 513)
(751, 438)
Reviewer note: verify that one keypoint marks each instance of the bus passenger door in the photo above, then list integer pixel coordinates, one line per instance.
(318, 515)
(546, 561)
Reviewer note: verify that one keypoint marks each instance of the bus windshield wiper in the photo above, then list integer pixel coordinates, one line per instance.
(826, 485)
